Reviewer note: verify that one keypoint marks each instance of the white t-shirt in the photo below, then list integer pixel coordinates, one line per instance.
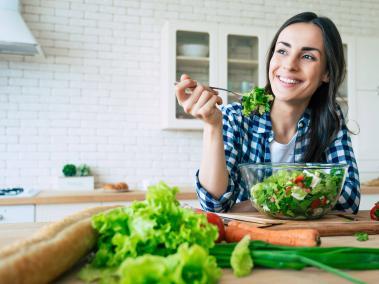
(283, 153)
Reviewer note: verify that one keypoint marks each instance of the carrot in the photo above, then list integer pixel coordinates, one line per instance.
(236, 230)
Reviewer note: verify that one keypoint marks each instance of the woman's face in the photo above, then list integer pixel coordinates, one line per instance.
(298, 65)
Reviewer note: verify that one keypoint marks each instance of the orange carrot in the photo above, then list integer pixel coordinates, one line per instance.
(236, 230)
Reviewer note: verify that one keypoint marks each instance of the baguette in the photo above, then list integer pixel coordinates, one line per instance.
(50, 251)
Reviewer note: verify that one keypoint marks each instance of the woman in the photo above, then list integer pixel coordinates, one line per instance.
(305, 68)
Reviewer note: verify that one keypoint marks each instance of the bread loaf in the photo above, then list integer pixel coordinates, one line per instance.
(50, 251)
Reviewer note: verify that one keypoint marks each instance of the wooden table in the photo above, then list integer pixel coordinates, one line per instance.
(12, 232)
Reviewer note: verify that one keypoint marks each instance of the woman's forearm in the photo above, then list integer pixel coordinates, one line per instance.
(213, 174)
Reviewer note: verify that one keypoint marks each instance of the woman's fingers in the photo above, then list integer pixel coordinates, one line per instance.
(200, 102)
(180, 88)
(193, 98)
(208, 109)
(207, 98)
(184, 77)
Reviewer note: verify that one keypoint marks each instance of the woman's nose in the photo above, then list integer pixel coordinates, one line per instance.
(290, 63)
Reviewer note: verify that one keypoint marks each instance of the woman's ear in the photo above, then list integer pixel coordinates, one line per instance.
(325, 78)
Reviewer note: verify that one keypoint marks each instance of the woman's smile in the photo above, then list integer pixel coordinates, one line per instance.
(288, 82)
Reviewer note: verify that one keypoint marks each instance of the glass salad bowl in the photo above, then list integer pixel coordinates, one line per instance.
(292, 190)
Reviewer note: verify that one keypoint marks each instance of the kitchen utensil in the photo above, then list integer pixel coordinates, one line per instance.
(332, 224)
(238, 95)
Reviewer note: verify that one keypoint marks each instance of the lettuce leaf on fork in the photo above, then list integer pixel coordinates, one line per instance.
(256, 100)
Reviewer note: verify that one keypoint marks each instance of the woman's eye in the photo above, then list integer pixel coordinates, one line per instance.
(281, 51)
(309, 57)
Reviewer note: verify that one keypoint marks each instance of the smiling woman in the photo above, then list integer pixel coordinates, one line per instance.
(305, 68)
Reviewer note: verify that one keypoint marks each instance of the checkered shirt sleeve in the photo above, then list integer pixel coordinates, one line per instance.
(341, 151)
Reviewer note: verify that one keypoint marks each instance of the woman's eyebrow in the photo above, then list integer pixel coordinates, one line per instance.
(306, 48)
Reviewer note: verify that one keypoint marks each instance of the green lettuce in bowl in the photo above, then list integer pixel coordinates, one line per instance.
(294, 191)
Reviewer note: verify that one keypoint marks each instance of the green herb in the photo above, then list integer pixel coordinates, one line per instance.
(69, 170)
(361, 236)
(329, 259)
(240, 259)
(256, 100)
(84, 170)
(301, 194)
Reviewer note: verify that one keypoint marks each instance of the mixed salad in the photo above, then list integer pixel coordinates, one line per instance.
(298, 194)
(256, 100)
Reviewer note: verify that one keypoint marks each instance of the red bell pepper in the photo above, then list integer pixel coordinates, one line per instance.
(374, 212)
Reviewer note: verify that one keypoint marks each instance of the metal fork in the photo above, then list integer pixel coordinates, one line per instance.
(238, 95)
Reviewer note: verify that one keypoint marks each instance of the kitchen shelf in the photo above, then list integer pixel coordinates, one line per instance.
(191, 61)
(242, 63)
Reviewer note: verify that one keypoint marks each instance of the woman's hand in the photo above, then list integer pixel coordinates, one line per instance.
(201, 102)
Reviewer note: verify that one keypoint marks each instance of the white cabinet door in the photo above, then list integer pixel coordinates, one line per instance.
(242, 53)
(16, 214)
(189, 48)
(368, 121)
(216, 55)
(53, 212)
(367, 64)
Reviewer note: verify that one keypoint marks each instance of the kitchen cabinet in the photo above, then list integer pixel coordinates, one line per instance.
(54, 212)
(367, 103)
(242, 53)
(16, 214)
(367, 64)
(217, 55)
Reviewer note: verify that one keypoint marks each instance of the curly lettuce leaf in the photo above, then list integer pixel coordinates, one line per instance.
(156, 226)
(256, 100)
(191, 264)
(241, 260)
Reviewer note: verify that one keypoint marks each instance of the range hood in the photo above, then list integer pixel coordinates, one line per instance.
(15, 36)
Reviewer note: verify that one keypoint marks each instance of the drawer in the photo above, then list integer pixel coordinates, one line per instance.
(54, 212)
(16, 214)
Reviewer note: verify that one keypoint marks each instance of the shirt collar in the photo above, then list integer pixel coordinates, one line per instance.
(263, 124)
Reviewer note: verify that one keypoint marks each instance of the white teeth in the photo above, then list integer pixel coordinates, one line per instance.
(288, 81)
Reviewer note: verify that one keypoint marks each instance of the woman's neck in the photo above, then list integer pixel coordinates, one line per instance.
(284, 118)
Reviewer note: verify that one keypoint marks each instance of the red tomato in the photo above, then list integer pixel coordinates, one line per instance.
(324, 200)
(215, 220)
(315, 203)
(299, 178)
(374, 212)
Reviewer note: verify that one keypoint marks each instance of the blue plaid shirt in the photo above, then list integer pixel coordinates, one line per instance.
(247, 139)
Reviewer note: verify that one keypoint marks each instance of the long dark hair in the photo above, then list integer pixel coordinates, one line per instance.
(325, 122)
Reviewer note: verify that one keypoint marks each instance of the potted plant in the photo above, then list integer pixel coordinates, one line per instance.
(76, 178)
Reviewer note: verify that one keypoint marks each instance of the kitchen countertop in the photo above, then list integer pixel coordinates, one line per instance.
(100, 195)
(12, 232)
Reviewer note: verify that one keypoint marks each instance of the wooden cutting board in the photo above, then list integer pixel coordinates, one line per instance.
(333, 224)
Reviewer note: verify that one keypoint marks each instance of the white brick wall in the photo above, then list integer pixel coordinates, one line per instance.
(94, 98)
